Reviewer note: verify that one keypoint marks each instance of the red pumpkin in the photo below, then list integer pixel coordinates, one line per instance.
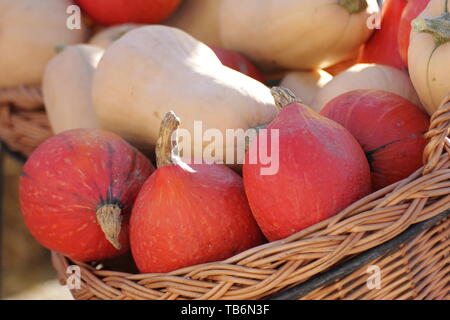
(412, 10)
(110, 12)
(389, 128)
(382, 47)
(186, 215)
(322, 169)
(238, 62)
(77, 190)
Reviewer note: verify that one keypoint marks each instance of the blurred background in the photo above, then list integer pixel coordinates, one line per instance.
(26, 271)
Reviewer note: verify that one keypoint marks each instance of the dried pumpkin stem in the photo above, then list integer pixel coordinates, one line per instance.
(167, 144)
(110, 220)
(439, 27)
(283, 97)
(353, 6)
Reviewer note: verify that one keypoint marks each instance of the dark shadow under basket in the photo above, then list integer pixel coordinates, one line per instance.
(23, 121)
(403, 230)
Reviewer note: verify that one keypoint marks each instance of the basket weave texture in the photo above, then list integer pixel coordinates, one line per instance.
(419, 270)
(23, 121)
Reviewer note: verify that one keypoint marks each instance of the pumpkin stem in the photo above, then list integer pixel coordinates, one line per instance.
(110, 220)
(439, 27)
(283, 97)
(353, 6)
(167, 144)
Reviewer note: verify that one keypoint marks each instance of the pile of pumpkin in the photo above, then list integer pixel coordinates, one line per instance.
(91, 191)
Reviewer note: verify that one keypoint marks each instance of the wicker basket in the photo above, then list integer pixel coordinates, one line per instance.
(23, 121)
(403, 229)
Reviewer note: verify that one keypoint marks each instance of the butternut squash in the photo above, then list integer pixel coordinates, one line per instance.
(67, 87)
(199, 18)
(106, 36)
(306, 84)
(155, 69)
(429, 54)
(29, 31)
(296, 34)
(368, 76)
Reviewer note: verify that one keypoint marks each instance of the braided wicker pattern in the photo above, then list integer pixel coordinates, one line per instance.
(23, 121)
(272, 267)
(419, 270)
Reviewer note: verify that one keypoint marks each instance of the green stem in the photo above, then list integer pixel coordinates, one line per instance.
(353, 6)
(59, 47)
(438, 27)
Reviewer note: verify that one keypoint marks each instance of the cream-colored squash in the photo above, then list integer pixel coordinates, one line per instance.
(199, 18)
(106, 36)
(296, 34)
(367, 76)
(306, 84)
(29, 32)
(429, 54)
(154, 69)
(67, 87)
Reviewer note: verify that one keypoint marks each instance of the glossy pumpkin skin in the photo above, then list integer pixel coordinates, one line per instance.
(237, 62)
(382, 47)
(322, 170)
(68, 178)
(411, 11)
(389, 128)
(184, 218)
(110, 12)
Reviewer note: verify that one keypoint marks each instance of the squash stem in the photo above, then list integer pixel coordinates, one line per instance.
(283, 97)
(59, 47)
(438, 27)
(167, 144)
(353, 6)
(110, 220)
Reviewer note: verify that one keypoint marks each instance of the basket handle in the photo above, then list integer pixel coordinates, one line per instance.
(438, 137)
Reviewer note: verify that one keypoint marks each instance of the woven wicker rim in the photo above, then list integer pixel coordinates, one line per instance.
(23, 121)
(272, 267)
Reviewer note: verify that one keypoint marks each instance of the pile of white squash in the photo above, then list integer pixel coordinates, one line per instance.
(125, 78)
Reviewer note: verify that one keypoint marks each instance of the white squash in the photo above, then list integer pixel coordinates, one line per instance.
(67, 88)
(154, 69)
(29, 32)
(199, 18)
(306, 84)
(368, 76)
(296, 34)
(106, 36)
(429, 54)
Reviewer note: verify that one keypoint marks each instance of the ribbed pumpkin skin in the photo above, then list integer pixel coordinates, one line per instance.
(382, 47)
(389, 128)
(67, 178)
(322, 170)
(182, 218)
(111, 12)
